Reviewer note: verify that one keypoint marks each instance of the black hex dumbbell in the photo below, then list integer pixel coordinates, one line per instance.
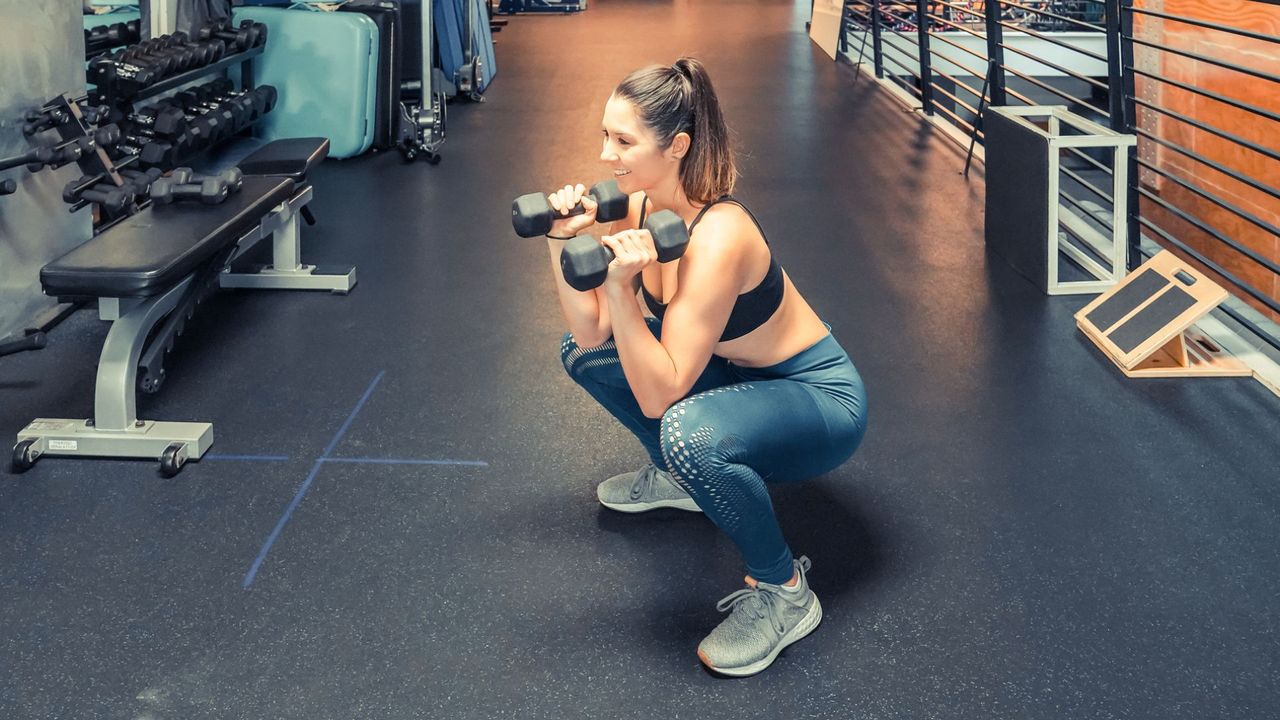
(215, 124)
(182, 57)
(191, 101)
(141, 181)
(232, 177)
(184, 184)
(110, 197)
(250, 34)
(125, 77)
(532, 214)
(585, 262)
(151, 152)
(161, 66)
(8, 187)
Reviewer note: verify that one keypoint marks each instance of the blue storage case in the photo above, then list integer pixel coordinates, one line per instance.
(449, 15)
(484, 44)
(325, 66)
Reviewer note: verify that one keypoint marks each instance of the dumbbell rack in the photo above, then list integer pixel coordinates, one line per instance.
(93, 161)
(243, 58)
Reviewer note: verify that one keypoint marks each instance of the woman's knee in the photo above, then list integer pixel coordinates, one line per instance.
(692, 444)
(584, 363)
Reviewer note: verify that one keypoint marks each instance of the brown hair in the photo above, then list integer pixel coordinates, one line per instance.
(679, 98)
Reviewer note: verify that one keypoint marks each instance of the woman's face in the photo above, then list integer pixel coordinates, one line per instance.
(631, 150)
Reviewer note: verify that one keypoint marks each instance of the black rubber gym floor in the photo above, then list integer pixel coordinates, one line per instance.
(397, 519)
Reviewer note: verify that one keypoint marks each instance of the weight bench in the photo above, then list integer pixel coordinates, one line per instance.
(293, 159)
(148, 273)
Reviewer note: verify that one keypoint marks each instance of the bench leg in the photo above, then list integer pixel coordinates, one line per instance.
(287, 271)
(115, 430)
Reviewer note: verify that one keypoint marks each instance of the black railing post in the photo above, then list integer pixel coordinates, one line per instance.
(1128, 93)
(876, 48)
(926, 73)
(995, 52)
(1115, 68)
(843, 45)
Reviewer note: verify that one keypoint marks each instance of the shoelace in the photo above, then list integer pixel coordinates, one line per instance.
(643, 481)
(764, 607)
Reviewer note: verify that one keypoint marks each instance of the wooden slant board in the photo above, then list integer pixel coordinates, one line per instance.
(1143, 324)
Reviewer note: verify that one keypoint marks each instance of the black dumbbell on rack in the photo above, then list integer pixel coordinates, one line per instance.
(94, 190)
(250, 34)
(151, 152)
(52, 157)
(245, 107)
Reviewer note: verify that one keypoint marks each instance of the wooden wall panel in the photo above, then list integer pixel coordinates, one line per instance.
(1260, 55)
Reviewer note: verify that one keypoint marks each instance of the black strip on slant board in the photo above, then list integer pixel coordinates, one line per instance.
(1151, 318)
(1148, 283)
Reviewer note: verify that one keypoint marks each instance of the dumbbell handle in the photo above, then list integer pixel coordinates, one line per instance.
(30, 157)
(670, 240)
(36, 159)
(529, 212)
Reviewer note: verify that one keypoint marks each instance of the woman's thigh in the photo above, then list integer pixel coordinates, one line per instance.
(784, 430)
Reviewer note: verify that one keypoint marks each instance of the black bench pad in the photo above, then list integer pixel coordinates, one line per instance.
(293, 158)
(152, 251)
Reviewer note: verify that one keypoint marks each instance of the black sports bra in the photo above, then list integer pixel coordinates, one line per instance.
(752, 308)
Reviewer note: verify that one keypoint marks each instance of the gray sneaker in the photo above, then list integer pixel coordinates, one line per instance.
(646, 489)
(765, 619)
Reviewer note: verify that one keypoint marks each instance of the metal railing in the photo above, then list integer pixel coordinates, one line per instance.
(1109, 61)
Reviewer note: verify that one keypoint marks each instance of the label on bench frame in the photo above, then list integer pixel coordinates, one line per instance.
(71, 445)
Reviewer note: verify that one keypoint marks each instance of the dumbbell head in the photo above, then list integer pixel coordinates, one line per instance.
(584, 262)
(168, 122)
(233, 178)
(162, 190)
(532, 214)
(268, 96)
(158, 154)
(8, 187)
(213, 191)
(108, 136)
(670, 234)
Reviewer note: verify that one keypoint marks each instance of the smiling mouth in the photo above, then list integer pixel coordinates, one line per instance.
(620, 173)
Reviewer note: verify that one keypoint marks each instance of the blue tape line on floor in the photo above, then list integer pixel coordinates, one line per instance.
(393, 461)
(297, 498)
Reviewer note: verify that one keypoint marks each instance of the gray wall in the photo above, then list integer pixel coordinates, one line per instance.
(41, 56)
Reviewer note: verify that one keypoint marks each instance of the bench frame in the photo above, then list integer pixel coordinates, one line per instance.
(115, 430)
(286, 271)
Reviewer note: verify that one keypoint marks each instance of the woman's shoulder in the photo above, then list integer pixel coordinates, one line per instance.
(728, 222)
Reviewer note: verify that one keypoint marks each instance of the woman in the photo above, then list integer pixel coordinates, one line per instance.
(734, 381)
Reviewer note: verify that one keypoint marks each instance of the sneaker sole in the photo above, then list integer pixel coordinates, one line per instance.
(687, 504)
(807, 624)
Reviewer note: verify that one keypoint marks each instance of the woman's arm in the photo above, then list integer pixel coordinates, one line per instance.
(661, 372)
(587, 313)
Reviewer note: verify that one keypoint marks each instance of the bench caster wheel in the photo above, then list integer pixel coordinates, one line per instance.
(24, 457)
(172, 459)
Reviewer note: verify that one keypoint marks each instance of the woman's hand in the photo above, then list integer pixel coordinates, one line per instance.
(564, 200)
(633, 250)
